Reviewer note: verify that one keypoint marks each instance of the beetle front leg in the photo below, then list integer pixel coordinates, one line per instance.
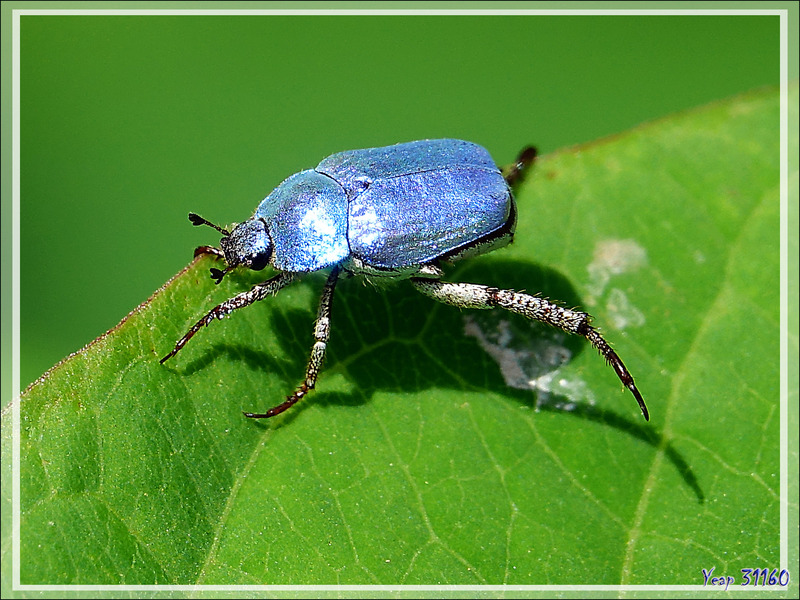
(322, 330)
(259, 292)
(470, 295)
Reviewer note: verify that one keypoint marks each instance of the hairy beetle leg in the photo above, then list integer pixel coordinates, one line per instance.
(514, 173)
(259, 292)
(201, 250)
(322, 330)
(471, 295)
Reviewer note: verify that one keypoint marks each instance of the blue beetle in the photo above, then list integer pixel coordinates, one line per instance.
(394, 212)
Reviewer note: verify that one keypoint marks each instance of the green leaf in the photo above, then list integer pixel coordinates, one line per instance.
(415, 461)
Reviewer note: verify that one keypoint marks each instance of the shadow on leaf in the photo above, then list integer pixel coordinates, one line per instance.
(390, 338)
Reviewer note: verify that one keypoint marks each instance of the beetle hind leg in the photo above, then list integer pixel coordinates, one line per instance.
(515, 172)
(322, 329)
(470, 295)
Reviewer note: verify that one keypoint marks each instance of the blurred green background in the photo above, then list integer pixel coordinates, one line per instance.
(128, 123)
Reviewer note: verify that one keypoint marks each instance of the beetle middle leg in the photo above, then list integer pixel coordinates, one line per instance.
(322, 329)
(471, 295)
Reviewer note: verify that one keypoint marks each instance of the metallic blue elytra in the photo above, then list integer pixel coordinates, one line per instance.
(412, 203)
(398, 212)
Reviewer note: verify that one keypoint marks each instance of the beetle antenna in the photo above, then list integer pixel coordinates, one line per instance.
(198, 220)
(217, 274)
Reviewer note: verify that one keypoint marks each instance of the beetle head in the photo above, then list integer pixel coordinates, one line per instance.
(248, 244)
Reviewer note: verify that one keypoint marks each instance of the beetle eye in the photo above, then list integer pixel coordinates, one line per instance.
(258, 261)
